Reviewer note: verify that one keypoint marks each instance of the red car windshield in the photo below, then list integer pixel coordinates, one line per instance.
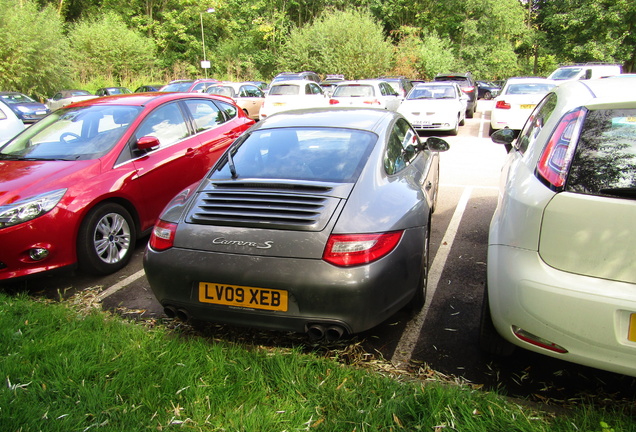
(79, 133)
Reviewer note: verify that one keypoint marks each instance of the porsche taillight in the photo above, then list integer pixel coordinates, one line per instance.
(346, 250)
(556, 156)
(162, 236)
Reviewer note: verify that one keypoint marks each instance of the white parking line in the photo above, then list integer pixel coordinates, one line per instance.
(121, 284)
(404, 349)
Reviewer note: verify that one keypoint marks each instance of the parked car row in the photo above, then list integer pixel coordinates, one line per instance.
(299, 193)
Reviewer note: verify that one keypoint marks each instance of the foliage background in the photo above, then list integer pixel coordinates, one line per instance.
(51, 44)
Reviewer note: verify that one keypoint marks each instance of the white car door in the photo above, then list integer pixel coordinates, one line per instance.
(391, 98)
(314, 96)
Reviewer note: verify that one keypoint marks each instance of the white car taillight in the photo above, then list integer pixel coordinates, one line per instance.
(556, 157)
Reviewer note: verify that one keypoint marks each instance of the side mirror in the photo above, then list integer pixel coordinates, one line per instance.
(147, 143)
(436, 144)
(504, 136)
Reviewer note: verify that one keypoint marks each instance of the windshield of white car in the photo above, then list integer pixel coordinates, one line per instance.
(314, 154)
(79, 133)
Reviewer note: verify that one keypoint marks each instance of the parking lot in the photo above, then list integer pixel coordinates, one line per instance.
(442, 338)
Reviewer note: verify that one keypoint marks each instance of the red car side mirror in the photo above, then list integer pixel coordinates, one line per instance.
(147, 143)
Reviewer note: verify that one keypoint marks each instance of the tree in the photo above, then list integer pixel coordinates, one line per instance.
(485, 34)
(591, 30)
(348, 42)
(436, 56)
(107, 48)
(33, 52)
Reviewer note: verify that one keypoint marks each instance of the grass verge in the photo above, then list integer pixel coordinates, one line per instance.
(70, 368)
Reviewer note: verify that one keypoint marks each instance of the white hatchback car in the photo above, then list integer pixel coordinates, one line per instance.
(512, 107)
(561, 269)
(365, 94)
(435, 106)
(291, 95)
(10, 124)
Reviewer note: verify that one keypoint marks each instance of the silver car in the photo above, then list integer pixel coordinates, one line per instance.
(314, 221)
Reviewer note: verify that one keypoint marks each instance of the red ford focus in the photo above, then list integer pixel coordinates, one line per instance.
(81, 185)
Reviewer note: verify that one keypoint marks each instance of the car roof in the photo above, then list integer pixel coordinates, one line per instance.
(354, 118)
(454, 74)
(602, 90)
(362, 81)
(436, 83)
(72, 92)
(539, 79)
(297, 82)
(146, 99)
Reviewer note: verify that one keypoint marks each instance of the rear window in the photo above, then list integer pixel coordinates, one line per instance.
(315, 154)
(433, 92)
(605, 159)
(354, 90)
(529, 88)
(284, 90)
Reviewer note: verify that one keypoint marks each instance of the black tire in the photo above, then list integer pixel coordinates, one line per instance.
(419, 298)
(106, 239)
(490, 130)
(470, 113)
(490, 341)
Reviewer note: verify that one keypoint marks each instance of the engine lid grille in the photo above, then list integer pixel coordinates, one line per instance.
(270, 206)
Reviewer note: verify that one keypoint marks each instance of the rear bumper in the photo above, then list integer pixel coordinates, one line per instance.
(356, 298)
(589, 317)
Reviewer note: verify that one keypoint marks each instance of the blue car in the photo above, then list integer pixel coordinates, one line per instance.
(27, 109)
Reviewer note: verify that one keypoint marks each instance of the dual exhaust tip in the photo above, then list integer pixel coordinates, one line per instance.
(316, 332)
(330, 332)
(173, 312)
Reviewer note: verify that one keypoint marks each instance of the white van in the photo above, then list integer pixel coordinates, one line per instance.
(585, 71)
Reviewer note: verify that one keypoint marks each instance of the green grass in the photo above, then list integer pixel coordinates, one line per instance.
(70, 368)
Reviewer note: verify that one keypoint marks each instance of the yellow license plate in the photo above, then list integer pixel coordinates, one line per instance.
(631, 334)
(527, 106)
(279, 103)
(241, 296)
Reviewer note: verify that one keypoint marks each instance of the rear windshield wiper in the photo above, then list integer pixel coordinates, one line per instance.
(627, 192)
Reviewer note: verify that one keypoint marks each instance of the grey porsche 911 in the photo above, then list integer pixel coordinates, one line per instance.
(313, 221)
